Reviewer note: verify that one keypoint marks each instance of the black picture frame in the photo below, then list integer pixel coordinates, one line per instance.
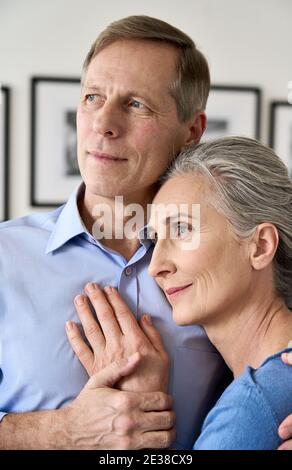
(280, 136)
(54, 170)
(4, 151)
(233, 110)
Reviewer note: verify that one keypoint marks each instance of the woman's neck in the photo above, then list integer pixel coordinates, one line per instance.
(256, 331)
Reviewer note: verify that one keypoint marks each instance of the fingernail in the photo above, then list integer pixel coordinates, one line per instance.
(148, 319)
(284, 433)
(108, 289)
(287, 357)
(90, 288)
(79, 300)
(69, 325)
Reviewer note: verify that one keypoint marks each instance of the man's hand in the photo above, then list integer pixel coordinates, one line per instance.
(285, 429)
(99, 418)
(105, 418)
(115, 334)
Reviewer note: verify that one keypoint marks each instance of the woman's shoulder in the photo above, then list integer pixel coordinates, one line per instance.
(248, 413)
(272, 381)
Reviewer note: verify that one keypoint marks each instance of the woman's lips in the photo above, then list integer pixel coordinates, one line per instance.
(174, 292)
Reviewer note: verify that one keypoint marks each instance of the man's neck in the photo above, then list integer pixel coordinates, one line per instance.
(256, 331)
(106, 219)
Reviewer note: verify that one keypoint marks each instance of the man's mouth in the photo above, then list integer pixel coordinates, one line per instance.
(105, 157)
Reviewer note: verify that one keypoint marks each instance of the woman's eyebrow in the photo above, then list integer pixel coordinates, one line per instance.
(171, 218)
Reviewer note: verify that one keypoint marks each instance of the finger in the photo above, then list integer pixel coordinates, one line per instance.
(104, 312)
(287, 358)
(286, 445)
(90, 326)
(285, 428)
(156, 421)
(151, 333)
(157, 439)
(155, 401)
(80, 348)
(111, 374)
(127, 321)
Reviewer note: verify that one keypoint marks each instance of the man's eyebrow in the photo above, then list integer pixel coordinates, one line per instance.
(90, 87)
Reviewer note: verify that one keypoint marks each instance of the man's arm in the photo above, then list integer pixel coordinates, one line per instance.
(285, 429)
(99, 418)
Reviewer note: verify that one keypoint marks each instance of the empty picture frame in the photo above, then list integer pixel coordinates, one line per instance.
(233, 110)
(281, 131)
(4, 152)
(54, 168)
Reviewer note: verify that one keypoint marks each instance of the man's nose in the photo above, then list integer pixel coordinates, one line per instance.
(107, 121)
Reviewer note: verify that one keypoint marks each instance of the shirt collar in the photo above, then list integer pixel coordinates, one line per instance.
(69, 223)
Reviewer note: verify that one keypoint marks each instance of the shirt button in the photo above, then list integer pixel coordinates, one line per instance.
(128, 271)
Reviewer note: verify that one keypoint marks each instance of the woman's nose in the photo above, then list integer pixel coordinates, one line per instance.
(161, 263)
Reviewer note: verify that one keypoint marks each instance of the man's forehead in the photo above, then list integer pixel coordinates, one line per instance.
(142, 56)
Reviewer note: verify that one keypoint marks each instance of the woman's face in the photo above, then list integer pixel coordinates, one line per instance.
(209, 280)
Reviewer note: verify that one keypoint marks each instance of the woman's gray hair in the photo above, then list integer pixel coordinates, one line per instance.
(251, 185)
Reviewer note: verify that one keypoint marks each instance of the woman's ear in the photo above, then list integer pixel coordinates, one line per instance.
(196, 128)
(263, 245)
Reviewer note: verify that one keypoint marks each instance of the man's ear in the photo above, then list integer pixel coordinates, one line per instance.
(263, 245)
(196, 128)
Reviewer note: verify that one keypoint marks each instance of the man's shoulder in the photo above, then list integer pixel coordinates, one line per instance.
(37, 221)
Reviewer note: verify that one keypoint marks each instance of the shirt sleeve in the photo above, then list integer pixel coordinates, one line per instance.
(240, 421)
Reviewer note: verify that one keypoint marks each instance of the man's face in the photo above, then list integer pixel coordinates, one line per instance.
(127, 124)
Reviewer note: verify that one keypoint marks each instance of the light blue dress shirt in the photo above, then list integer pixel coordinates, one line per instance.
(248, 414)
(45, 260)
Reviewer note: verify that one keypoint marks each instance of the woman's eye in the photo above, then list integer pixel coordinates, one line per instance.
(182, 230)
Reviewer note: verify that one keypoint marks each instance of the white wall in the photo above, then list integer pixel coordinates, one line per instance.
(246, 42)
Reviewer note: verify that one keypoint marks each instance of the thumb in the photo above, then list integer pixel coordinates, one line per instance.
(114, 372)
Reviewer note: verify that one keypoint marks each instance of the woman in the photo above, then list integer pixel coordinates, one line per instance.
(237, 284)
(230, 271)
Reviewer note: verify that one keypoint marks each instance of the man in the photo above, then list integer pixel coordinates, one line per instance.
(144, 90)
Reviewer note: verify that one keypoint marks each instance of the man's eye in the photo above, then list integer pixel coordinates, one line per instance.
(90, 98)
(137, 105)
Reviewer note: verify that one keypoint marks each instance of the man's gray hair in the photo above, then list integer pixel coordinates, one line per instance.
(250, 186)
(190, 89)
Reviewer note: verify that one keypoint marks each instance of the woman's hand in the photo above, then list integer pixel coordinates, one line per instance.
(115, 334)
